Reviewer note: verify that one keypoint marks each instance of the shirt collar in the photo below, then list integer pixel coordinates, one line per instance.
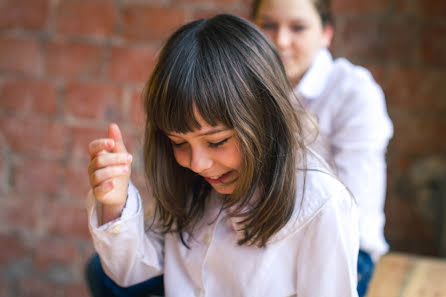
(314, 80)
(290, 227)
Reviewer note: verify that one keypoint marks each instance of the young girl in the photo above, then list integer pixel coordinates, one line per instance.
(240, 205)
(354, 126)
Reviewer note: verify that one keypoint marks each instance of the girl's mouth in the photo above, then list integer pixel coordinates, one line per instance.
(218, 179)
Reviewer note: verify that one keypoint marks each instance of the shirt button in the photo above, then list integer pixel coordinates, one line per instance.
(207, 239)
(116, 229)
(198, 292)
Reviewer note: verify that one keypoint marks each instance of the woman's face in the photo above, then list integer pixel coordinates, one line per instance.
(295, 27)
(212, 152)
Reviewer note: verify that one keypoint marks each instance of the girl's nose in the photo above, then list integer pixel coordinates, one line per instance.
(200, 161)
(283, 37)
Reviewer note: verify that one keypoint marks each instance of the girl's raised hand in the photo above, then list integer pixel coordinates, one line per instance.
(109, 172)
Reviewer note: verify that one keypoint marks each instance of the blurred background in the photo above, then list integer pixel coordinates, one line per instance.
(70, 67)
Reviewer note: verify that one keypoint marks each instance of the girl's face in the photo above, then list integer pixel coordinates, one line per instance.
(296, 29)
(212, 152)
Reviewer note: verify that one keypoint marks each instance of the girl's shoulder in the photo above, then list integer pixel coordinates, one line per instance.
(317, 188)
(317, 184)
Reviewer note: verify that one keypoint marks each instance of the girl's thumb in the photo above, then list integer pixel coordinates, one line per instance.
(115, 133)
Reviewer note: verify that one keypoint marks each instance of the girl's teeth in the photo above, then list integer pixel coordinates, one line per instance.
(215, 177)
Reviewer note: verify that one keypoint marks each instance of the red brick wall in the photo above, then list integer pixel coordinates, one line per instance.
(70, 67)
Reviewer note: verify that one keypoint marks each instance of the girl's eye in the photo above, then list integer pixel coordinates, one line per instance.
(298, 28)
(268, 26)
(177, 144)
(217, 144)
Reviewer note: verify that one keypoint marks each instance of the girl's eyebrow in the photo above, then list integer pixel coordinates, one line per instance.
(210, 132)
(214, 131)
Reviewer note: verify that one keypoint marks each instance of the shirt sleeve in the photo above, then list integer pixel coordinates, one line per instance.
(129, 254)
(360, 135)
(327, 259)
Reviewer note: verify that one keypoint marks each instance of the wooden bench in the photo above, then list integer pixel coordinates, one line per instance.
(404, 275)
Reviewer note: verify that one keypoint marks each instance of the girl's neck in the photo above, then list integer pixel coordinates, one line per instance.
(294, 81)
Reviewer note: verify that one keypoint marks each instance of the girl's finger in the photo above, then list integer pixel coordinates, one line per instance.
(98, 145)
(109, 159)
(101, 190)
(99, 176)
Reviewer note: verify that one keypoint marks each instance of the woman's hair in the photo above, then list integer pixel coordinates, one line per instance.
(323, 8)
(228, 71)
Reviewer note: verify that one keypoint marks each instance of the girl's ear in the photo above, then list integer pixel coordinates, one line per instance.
(327, 35)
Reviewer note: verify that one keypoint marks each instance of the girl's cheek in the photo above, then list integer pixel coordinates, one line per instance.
(180, 157)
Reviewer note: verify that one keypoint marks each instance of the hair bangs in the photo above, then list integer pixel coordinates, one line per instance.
(191, 84)
(211, 97)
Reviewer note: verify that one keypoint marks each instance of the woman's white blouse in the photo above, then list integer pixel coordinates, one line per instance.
(315, 254)
(354, 133)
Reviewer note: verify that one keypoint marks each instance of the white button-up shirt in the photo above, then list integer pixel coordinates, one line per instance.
(354, 133)
(314, 254)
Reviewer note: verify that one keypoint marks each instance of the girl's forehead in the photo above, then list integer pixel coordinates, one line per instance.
(204, 129)
(288, 9)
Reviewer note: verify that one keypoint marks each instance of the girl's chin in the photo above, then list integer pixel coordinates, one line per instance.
(224, 189)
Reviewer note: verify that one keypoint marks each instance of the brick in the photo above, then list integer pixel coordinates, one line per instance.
(379, 39)
(433, 45)
(137, 115)
(433, 8)
(32, 15)
(354, 6)
(378, 73)
(399, 38)
(29, 96)
(408, 7)
(81, 137)
(35, 287)
(37, 136)
(4, 173)
(416, 89)
(19, 212)
(151, 23)
(91, 100)
(417, 133)
(70, 60)
(19, 55)
(79, 290)
(133, 138)
(211, 3)
(67, 220)
(85, 18)
(131, 64)
(140, 181)
(399, 165)
(208, 13)
(62, 252)
(38, 177)
(77, 184)
(13, 248)
(359, 38)
(5, 288)
(404, 221)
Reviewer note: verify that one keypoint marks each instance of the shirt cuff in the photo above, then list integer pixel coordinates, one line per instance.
(131, 208)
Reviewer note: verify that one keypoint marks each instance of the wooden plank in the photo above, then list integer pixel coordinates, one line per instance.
(428, 279)
(404, 275)
(390, 275)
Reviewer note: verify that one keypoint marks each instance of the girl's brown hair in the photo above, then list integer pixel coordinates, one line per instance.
(323, 8)
(228, 70)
